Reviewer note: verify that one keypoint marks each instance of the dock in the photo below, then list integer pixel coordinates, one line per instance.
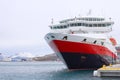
(108, 71)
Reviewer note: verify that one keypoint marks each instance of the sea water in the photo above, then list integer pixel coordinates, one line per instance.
(44, 71)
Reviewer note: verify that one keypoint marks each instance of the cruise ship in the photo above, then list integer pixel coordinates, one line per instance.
(83, 42)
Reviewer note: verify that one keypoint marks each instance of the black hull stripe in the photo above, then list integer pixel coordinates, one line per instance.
(84, 61)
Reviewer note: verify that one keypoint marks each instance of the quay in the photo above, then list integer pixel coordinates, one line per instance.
(108, 71)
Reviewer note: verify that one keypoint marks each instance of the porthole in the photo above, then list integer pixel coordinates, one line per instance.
(52, 36)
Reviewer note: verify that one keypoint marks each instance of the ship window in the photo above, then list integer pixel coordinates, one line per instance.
(57, 27)
(95, 42)
(64, 38)
(99, 25)
(102, 43)
(90, 25)
(96, 19)
(52, 36)
(54, 27)
(84, 40)
(90, 19)
(93, 19)
(79, 24)
(72, 24)
(86, 19)
(65, 26)
(83, 24)
(94, 25)
(86, 25)
(103, 25)
(76, 24)
(108, 24)
(61, 26)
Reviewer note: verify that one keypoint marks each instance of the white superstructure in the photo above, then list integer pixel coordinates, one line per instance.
(83, 25)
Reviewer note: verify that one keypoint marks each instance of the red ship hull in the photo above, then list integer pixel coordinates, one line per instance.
(80, 55)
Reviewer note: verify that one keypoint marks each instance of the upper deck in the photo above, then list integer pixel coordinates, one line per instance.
(83, 19)
(83, 24)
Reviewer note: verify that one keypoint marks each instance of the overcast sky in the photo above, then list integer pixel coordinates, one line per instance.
(25, 22)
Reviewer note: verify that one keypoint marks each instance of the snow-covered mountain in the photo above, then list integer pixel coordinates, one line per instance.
(3, 57)
(23, 56)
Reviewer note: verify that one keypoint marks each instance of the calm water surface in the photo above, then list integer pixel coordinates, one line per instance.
(44, 71)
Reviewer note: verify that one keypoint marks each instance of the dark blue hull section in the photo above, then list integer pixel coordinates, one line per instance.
(85, 61)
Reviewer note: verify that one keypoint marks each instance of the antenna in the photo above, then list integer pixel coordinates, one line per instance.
(75, 18)
(52, 21)
(89, 13)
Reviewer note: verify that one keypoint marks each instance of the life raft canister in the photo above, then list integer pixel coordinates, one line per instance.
(113, 41)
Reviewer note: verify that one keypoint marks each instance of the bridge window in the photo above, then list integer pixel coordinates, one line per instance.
(94, 25)
(108, 24)
(58, 27)
(55, 27)
(83, 24)
(65, 26)
(99, 25)
(79, 24)
(90, 25)
(61, 26)
(90, 19)
(103, 25)
(86, 25)
(76, 24)
(72, 24)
